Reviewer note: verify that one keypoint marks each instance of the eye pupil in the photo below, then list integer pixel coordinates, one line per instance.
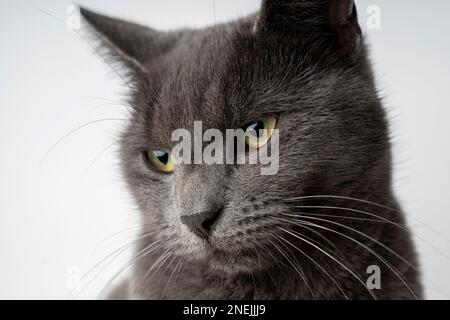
(161, 160)
(255, 128)
(258, 133)
(164, 158)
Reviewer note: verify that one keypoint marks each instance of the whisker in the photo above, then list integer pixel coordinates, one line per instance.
(355, 211)
(143, 253)
(97, 98)
(371, 203)
(109, 104)
(71, 132)
(294, 266)
(347, 217)
(276, 219)
(270, 254)
(306, 216)
(343, 198)
(260, 265)
(319, 235)
(112, 256)
(332, 258)
(156, 266)
(317, 265)
(179, 272)
(90, 44)
(404, 228)
(180, 261)
(392, 268)
(139, 226)
(214, 11)
(104, 59)
(98, 156)
(168, 266)
(116, 142)
(253, 280)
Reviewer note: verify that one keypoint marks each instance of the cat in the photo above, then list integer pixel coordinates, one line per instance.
(327, 225)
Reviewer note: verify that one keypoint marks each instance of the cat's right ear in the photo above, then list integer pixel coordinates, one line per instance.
(333, 20)
(129, 43)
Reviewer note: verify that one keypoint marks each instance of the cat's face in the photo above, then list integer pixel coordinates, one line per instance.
(319, 90)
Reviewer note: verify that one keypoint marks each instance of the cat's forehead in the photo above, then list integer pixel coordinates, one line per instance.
(227, 79)
(192, 84)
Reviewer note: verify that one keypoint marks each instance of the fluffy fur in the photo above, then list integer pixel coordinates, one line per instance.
(312, 230)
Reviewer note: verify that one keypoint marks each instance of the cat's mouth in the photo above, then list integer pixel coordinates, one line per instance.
(223, 254)
(245, 260)
(230, 261)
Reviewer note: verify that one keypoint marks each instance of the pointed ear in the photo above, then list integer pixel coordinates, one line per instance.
(130, 43)
(333, 18)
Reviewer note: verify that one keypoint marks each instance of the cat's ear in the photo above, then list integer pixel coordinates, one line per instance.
(327, 18)
(130, 43)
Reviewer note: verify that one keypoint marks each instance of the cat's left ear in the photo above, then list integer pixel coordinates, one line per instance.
(132, 44)
(335, 19)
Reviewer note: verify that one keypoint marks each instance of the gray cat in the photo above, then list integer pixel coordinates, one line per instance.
(327, 226)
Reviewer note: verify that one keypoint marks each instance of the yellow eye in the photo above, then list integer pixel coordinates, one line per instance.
(258, 133)
(162, 160)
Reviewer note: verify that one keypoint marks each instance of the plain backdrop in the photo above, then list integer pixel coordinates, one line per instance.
(62, 202)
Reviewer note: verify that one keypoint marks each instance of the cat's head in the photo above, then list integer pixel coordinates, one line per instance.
(301, 64)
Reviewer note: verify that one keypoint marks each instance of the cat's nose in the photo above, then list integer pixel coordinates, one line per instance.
(201, 223)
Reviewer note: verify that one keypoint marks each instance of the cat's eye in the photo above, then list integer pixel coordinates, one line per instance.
(259, 132)
(161, 160)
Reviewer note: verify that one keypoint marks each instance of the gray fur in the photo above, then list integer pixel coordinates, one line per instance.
(304, 62)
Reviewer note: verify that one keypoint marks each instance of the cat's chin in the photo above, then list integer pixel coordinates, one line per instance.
(221, 266)
(243, 261)
(223, 257)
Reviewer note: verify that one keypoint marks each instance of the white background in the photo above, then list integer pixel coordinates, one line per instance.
(55, 213)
